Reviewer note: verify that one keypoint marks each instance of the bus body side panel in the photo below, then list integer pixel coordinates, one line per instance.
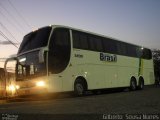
(127, 67)
(63, 81)
(85, 64)
(148, 72)
(99, 74)
(55, 83)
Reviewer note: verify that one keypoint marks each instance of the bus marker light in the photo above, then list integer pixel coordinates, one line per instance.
(17, 86)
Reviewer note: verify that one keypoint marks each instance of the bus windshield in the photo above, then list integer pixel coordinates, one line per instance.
(29, 67)
(35, 39)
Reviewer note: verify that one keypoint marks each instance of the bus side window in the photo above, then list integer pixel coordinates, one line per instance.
(95, 43)
(122, 48)
(76, 40)
(80, 40)
(131, 50)
(59, 50)
(110, 46)
(147, 54)
(84, 41)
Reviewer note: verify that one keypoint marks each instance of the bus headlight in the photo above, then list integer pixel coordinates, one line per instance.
(40, 84)
(11, 88)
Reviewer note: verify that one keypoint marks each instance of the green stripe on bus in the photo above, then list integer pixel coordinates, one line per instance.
(140, 71)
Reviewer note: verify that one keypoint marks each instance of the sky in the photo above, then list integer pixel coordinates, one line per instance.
(133, 21)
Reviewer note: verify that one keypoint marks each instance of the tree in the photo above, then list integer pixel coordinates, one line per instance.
(156, 59)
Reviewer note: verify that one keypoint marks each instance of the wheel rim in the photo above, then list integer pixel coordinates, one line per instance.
(133, 85)
(141, 85)
(79, 89)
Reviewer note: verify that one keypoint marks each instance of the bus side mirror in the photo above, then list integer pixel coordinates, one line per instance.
(41, 55)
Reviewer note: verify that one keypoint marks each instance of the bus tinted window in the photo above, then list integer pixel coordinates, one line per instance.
(59, 50)
(80, 40)
(41, 38)
(35, 39)
(98, 44)
(95, 43)
(147, 54)
(110, 45)
(92, 42)
(61, 37)
(76, 41)
(84, 40)
(122, 48)
(132, 50)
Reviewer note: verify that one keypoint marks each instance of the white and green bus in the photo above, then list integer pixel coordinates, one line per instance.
(60, 59)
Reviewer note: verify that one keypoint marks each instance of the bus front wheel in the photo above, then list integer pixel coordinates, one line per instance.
(79, 88)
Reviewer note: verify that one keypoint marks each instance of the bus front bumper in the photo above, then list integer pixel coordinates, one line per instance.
(32, 90)
(32, 87)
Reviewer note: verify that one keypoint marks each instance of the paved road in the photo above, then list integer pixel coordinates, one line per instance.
(145, 101)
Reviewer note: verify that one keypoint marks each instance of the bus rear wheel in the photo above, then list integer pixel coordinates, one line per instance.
(133, 84)
(141, 84)
(79, 88)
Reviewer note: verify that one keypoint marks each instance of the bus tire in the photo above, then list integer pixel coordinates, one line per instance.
(79, 87)
(141, 83)
(133, 84)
